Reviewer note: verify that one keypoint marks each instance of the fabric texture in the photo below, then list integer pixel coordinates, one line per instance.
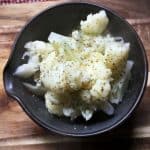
(19, 1)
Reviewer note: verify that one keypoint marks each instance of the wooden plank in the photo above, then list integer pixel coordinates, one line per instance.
(52, 146)
(18, 131)
(129, 8)
(87, 143)
(11, 21)
(6, 41)
(143, 30)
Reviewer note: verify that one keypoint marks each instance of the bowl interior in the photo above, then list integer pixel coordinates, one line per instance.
(63, 19)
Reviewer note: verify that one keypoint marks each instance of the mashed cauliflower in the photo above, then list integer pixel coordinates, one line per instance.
(81, 73)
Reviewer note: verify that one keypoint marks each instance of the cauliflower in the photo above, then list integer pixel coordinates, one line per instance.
(95, 24)
(53, 76)
(100, 90)
(115, 57)
(56, 109)
(78, 74)
(38, 48)
(26, 70)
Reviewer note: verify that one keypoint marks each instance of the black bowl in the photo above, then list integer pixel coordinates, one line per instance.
(63, 19)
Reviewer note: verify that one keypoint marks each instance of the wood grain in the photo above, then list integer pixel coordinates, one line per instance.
(18, 131)
(134, 9)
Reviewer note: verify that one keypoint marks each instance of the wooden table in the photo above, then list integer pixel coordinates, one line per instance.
(19, 132)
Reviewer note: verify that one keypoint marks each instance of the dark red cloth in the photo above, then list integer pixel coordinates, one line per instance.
(19, 1)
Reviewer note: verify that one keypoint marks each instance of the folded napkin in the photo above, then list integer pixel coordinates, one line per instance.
(19, 1)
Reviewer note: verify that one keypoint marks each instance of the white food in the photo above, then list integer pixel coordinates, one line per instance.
(100, 90)
(87, 114)
(95, 24)
(36, 45)
(68, 112)
(120, 86)
(26, 70)
(36, 89)
(81, 73)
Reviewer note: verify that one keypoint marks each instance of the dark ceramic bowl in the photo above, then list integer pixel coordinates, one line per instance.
(63, 19)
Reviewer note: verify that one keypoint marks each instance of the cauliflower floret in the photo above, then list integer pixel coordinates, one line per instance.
(95, 69)
(52, 97)
(43, 53)
(73, 75)
(62, 42)
(115, 57)
(100, 90)
(99, 44)
(38, 48)
(26, 70)
(56, 109)
(95, 24)
(35, 45)
(76, 35)
(54, 78)
(60, 77)
(34, 59)
(68, 112)
(98, 70)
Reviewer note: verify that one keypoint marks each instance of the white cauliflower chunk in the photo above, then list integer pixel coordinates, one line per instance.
(52, 97)
(54, 77)
(72, 76)
(99, 71)
(35, 45)
(115, 57)
(68, 112)
(26, 70)
(95, 24)
(60, 41)
(100, 90)
(34, 59)
(53, 108)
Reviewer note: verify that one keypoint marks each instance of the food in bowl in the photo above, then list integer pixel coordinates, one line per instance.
(81, 73)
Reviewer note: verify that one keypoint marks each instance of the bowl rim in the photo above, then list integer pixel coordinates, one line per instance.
(50, 128)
